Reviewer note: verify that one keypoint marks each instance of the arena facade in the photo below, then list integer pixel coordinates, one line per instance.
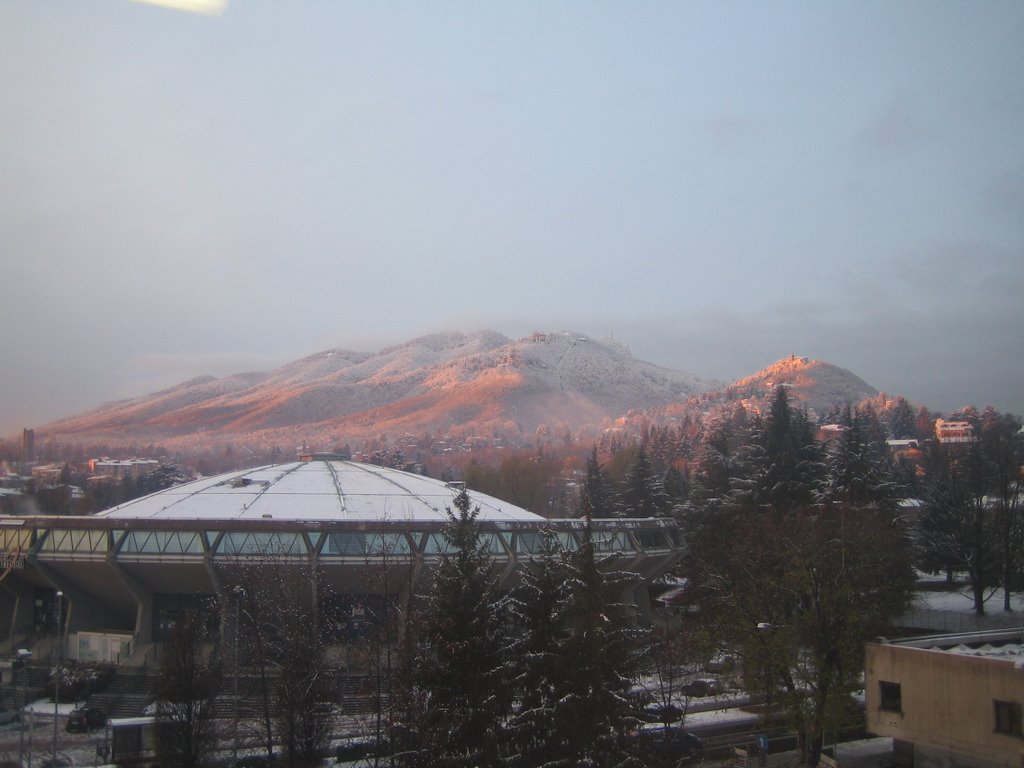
(114, 582)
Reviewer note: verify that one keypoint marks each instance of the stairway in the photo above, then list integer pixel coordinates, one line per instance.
(128, 695)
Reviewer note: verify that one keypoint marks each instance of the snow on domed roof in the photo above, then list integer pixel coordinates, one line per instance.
(318, 490)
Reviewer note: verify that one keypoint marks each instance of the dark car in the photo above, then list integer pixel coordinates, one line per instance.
(670, 746)
(84, 719)
(701, 688)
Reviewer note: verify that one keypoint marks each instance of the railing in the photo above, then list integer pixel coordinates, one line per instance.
(958, 621)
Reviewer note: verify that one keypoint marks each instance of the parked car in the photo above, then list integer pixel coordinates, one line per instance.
(9, 716)
(702, 688)
(85, 719)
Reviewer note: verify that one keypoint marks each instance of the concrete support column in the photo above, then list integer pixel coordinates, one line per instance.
(16, 607)
(143, 596)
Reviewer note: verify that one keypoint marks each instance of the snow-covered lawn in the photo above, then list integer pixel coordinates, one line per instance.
(961, 600)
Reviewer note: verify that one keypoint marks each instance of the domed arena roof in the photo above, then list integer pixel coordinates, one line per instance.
(323, 490)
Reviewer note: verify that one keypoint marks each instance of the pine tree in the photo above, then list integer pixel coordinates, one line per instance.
(722, 443)
(595, 495)
(676, 486)
(642, 494)
(537, 609)
(594, 710)
(858, 470)
(781, 466)
(902, 422)
(460, 667)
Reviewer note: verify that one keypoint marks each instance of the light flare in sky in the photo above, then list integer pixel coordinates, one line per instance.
(207, 7)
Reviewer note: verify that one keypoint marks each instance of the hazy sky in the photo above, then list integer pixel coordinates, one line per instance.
(718, 184)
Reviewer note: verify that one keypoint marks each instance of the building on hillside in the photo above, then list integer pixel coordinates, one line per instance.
(48, 475)
(949, 700)
(829, 432)
(126, 574)
(954, 431)
(119, 469)
(28, 445)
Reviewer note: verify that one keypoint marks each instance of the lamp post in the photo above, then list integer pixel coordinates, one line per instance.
(23, 656)
(56, 669)
(239, 593)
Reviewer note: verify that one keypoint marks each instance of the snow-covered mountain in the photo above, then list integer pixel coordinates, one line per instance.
(817, 385)
(481, 383)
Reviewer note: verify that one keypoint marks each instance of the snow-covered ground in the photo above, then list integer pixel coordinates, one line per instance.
(961, 600)
(952, 610)
(77, 749)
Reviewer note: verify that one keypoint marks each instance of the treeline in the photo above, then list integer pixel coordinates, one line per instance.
(799, 550)
(74, 495)
(959, 502)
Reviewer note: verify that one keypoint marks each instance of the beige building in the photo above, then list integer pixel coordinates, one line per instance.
(949, 700)
(954, 431)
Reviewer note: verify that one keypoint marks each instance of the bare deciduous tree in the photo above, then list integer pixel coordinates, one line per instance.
(189, 678)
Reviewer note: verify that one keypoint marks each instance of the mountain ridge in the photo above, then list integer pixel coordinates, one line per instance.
(481, 383)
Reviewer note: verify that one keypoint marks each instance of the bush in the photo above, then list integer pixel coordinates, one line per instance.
(79, 681)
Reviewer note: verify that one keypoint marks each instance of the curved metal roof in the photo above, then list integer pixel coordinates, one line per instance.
(318, 490)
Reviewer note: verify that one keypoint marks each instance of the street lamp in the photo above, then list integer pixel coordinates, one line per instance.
(56, 669)
(239, 594)
(23, 656)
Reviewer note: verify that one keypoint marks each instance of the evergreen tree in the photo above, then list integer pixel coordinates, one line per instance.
(642, 494)
(538, 620)
(595, 495)
(858, 470)
(902, 421)
(676, 486)
(781, 466)
(461, 664)
(723, 440)
(594, 711)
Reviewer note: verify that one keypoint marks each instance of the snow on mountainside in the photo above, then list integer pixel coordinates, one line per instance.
(440, 383)
(816, 384)
(482, 384)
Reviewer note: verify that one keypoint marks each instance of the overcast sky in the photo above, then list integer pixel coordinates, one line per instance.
(717, 184)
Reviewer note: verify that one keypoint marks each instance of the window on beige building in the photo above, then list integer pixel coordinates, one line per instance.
(890, 696)
(1008, 717)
